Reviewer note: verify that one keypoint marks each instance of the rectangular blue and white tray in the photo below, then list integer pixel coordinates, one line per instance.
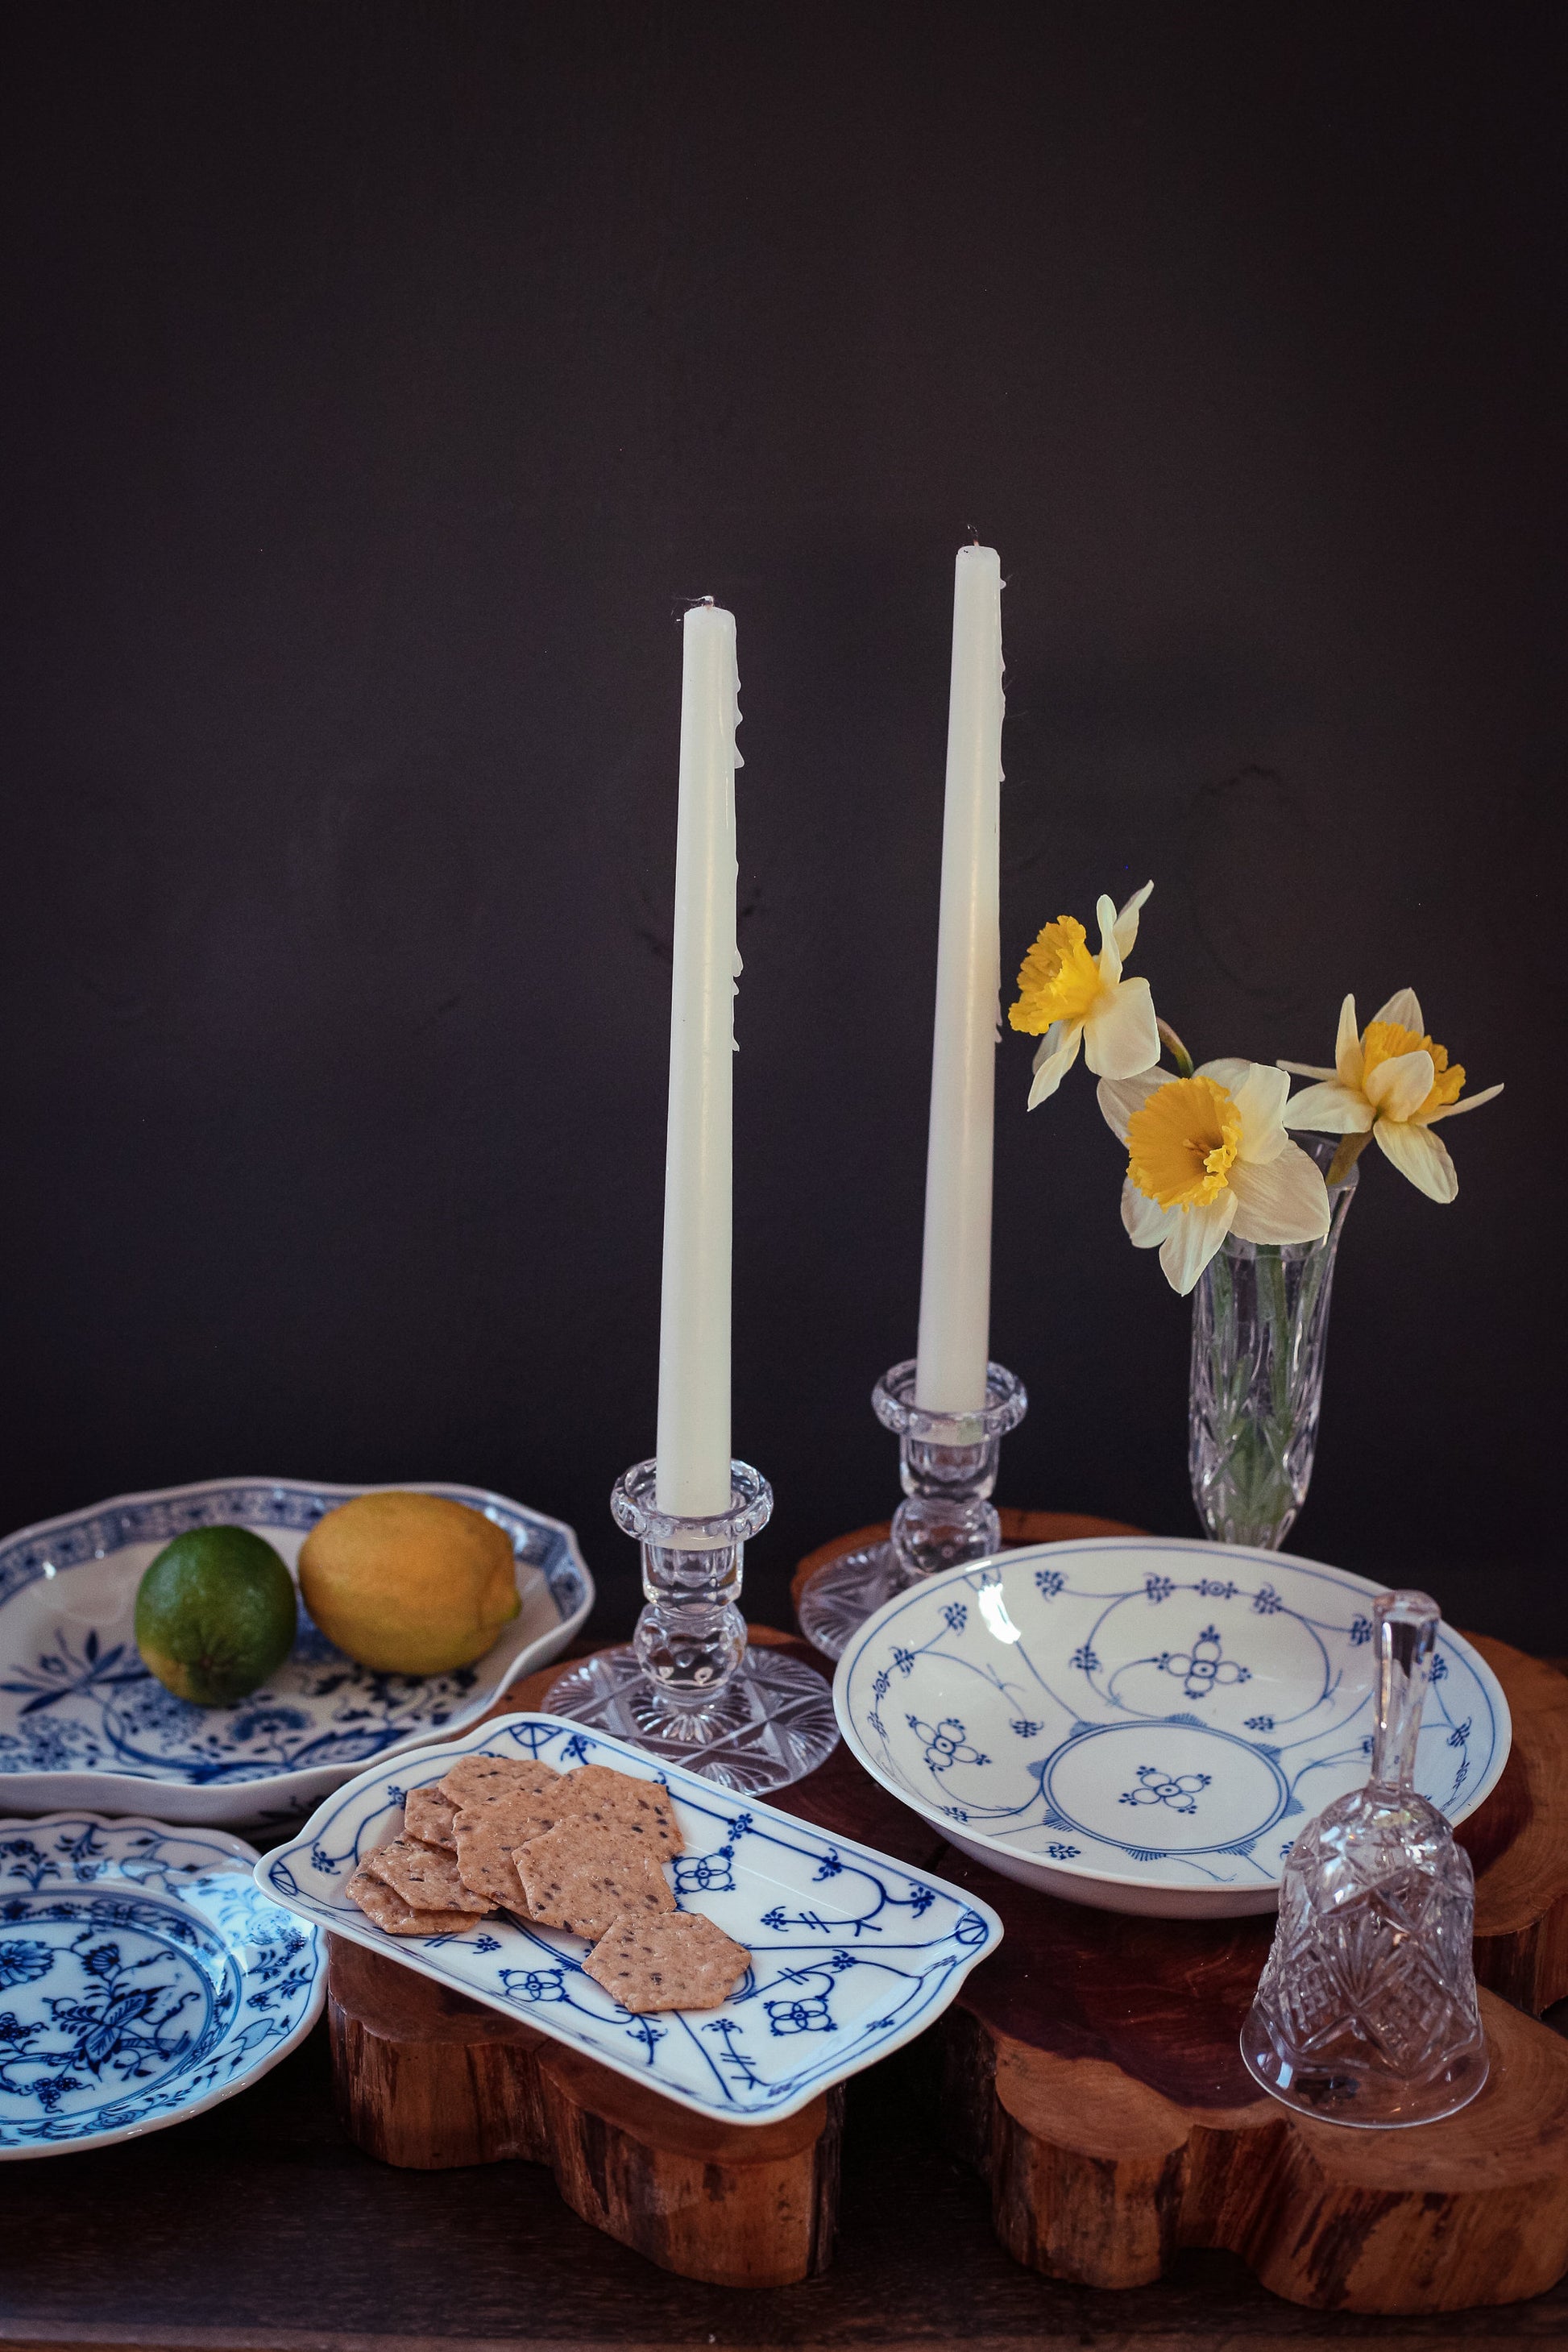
(852, 1954)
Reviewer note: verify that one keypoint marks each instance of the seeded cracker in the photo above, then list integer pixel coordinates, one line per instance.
(379, 1902)
(678, 1959)
(426, 1877)
(595, 1793)
(488, 1840)
(479, 1780)
(584, 1874)
(428, 1816)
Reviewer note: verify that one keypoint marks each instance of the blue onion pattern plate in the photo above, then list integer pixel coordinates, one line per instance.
(852, 1955)
(83, 1723)
(1145, 1727)
(143, 1977)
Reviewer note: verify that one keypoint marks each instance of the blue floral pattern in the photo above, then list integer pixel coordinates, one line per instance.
(144, 1976)
(1127, 1692)
(1180, 1791)
(77, 1699)
(851, 1954)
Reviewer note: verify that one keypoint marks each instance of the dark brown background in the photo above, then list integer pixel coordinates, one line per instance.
(382, 380)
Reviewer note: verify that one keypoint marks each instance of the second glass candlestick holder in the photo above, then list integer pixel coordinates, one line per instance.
(689, 1687)
(948, 1465)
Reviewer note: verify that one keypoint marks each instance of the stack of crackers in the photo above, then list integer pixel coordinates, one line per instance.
(584, 1851)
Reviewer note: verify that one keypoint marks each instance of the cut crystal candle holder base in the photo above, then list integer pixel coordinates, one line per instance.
(947, 1461)
(1366, 2010)
(688, 1687)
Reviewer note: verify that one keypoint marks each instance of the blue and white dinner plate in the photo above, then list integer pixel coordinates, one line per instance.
(1145, 1726)
(83, 1723)
(852, 1955)
(143, 1977)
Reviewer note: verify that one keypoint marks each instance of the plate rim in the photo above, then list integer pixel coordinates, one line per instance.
(246, 1858)
(242, 1798)
(363, 1931)
(1016, 1556)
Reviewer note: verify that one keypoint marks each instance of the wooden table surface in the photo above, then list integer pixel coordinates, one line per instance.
(259, 2225)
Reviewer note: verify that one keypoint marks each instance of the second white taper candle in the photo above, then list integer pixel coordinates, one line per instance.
(955, 1271)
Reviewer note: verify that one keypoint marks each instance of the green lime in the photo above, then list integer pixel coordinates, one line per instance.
(214, 1614)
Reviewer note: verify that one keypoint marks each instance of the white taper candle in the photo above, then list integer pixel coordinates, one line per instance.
(694, 1327)
(955, 1272)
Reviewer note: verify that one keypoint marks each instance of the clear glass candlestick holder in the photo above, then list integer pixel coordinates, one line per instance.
(690, 1686)
(1366, 2010)
(948, 1465)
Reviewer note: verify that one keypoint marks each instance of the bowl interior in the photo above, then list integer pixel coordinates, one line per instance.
(1160, 1713)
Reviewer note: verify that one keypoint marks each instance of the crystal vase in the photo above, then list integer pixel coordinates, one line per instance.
(1366, 2010)
(1261, 1328)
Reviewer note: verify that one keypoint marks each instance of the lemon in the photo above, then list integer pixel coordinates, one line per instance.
(215, 1615)
(409, 1584)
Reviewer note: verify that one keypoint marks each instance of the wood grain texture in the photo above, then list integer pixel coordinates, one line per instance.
(1091, 2074)
(259, 2227)
(1098, 2177)
(1518, 1840)
(427, 2081)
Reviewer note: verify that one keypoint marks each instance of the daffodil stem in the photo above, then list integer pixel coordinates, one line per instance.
(1351, 1148)
(1276, 1314)
(1174, 1048)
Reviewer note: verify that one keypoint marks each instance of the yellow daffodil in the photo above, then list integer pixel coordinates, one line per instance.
(1390, 1084)
(1076, 999)
(1206, 1156)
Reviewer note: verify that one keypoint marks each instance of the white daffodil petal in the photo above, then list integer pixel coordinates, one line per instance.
(1397, 1088)
(1229, 1072)
(1422, 1156)
(1051, 1068)
(1054, 1038)
(1285, 1200)
(1126, 927)
(1120, 1097)
(1306, 1069)
(1330, 1109)
(1122, 1035)
(1260, 1100)
(1109, 953)
(1348, 1059)
(1466, 1102)
(1192, 1241)
(1147, 1223)
(1403, 1007)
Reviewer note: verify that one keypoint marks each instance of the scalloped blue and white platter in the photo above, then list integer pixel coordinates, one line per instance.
(1146, 1726)
(83, 1723)
(143, 1977)
(852, 1955)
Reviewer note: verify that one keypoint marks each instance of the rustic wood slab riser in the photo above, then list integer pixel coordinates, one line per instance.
(427, 2080)
(1091, 2072)
(1097, 2179)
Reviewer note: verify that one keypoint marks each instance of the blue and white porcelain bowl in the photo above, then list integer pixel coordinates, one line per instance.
(83, 1723)
(852, 1954)
(143, 1977)
(1145, 1727)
